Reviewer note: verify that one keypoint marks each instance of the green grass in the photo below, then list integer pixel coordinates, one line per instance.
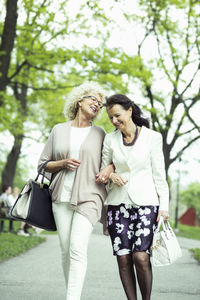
(12, 244)
(189, 232)
(16, 225)
(196, 253)
(49, 232)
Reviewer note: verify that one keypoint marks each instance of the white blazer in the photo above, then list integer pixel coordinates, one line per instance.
(144, 169)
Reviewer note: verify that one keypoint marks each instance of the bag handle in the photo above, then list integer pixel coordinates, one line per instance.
(41, 171)
(162, 223)
(168, 226)
(165, 225)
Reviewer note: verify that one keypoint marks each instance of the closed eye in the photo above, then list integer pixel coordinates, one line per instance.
(116, 116)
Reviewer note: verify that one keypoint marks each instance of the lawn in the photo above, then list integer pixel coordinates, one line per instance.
(196, 253)
(12, 244)
(189, 232)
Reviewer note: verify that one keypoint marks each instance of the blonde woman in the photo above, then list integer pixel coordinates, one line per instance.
(74, 150)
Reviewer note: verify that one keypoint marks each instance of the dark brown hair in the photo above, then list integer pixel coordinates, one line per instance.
(126, 103)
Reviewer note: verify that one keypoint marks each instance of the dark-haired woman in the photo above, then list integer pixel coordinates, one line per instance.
(138, 192)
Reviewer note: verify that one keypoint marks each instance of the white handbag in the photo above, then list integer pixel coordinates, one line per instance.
(165, 247)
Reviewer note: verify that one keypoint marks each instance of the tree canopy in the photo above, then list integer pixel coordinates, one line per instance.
(191, 196)
(45, 52)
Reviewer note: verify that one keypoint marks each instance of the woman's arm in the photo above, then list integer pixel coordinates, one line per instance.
(69, 163)
(107, 166)
(104, 174)
(55, 166)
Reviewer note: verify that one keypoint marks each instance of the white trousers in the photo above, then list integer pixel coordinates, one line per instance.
(74, 231)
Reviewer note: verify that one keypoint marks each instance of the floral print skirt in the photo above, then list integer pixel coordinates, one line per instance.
(131, 228)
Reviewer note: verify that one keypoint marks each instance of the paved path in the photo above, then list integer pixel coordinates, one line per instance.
(37, 274)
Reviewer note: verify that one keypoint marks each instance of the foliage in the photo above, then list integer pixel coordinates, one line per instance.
(22, 174)
(54, 51)
(166, 68)
(167, 76)
(191, 196)
(44, 67)
(103, 120)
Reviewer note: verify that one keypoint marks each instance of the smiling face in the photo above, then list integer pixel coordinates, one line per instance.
(119, 116)
(90, 105)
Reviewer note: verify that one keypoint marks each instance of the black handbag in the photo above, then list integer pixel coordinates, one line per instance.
(34, 204)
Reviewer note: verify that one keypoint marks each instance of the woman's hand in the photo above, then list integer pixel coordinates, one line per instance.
(163, 213)
(103, 175)
(117, 179)
(71, 164)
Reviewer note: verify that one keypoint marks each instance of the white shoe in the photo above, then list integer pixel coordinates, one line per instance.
(38, 230)
(21, 232)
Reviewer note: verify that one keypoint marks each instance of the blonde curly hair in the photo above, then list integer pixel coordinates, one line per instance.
(76, 95)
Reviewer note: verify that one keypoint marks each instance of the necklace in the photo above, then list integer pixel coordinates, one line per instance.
(134, 139)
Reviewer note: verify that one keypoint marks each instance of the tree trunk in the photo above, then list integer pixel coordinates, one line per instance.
(7, 43)
(167, 163)
(9, 170)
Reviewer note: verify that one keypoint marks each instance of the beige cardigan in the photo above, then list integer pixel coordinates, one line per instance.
(87, 195)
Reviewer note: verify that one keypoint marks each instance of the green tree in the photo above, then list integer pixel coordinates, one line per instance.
(7, 44)
(174, 27)
(44, 66)
(169, 79)
(43, 69)
(191, 196)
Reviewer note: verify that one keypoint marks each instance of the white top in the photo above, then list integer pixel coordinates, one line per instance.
(126, 200)
(77, 137)
(11, 200)
(7, 200)
(142, 165)
(4, 199)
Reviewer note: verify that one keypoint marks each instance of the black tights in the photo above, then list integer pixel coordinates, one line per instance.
(143, 269)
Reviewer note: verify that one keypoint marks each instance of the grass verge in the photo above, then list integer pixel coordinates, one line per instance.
(189, 232)
(196, 253)
(12, 244)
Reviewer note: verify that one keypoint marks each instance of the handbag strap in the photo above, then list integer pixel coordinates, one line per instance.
(168, 226)
(165, 225)
(41, 171)
(162, 223)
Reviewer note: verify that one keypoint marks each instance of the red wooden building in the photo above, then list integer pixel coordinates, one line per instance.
(190, 218)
